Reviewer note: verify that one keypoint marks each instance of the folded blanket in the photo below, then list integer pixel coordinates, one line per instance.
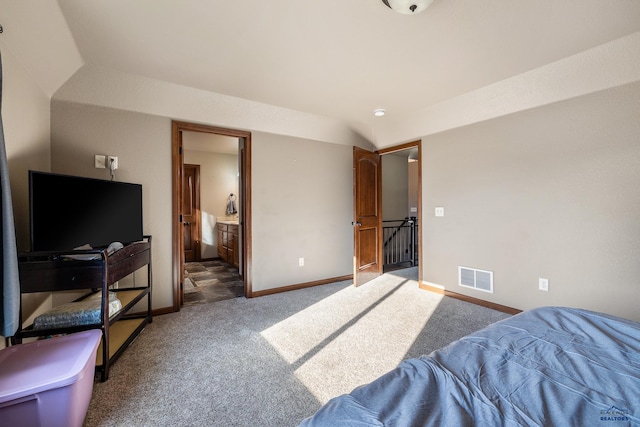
(84, 312)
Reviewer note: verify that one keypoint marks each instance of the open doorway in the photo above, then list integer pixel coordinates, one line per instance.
(211, 168)
(369, 244)
(410, 154)
(211, 217)
(400, 222)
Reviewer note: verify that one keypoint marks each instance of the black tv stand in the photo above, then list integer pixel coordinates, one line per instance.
(58, 271)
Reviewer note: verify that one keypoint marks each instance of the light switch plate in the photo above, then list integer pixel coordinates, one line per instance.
(100, 161)
(439, 211)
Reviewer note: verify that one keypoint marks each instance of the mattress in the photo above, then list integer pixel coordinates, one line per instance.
(550, 366)
(78, 313)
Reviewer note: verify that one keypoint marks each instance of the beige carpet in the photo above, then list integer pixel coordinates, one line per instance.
(273, 360)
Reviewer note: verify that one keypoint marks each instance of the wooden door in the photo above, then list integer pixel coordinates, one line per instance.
(191, 212)
(367, 222)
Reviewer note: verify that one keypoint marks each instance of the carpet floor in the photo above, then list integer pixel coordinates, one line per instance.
(274, 360)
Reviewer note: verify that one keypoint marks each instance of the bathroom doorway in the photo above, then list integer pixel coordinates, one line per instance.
(211, 176)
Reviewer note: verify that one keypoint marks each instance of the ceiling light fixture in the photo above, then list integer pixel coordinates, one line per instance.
(379, 112)
(408, 7)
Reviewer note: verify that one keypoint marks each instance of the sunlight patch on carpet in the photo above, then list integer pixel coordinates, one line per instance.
(335, 344)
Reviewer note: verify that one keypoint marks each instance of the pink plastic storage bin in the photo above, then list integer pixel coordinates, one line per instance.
(48, 382)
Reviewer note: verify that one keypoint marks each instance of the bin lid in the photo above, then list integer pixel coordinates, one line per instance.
(31, 368)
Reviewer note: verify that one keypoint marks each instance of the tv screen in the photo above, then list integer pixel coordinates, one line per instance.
(69, 211)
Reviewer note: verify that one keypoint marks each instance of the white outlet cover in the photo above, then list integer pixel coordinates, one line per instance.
(543, 284)
(115, 161)
(439, 211)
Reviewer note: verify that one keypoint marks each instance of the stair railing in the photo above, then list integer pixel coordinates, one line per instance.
(400, 245)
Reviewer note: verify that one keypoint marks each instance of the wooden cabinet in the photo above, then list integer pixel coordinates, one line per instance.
(228, 248)
(236, 247)
(222, 241)
(94, 271)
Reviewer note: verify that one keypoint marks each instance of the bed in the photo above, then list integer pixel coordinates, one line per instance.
(549, 366)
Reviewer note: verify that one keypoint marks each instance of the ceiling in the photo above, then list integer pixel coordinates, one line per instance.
(340, 58)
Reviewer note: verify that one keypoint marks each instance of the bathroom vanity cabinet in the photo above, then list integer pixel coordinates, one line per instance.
(228, 248)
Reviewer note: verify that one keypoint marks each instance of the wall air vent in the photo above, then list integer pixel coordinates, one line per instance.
(474, 278)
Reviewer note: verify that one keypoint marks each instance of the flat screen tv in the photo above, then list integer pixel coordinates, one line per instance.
(66, 212)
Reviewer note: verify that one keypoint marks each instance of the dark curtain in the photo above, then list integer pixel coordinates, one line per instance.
(10, 297)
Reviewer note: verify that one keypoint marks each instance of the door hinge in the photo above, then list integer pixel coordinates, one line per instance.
(180, 150)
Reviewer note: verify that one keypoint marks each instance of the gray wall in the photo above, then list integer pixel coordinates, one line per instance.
(414, 190)
(302, 193)
(395, 187)
(142, 144)
(25, 116)
(551, 192)
(302, 208)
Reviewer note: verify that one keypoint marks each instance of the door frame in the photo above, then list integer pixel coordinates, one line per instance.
(177, 162)
(401, 147)
(197, 226)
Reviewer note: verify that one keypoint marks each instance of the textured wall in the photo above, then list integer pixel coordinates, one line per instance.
(26, 124)
(395, 187)
(302, 208)
(550, 192)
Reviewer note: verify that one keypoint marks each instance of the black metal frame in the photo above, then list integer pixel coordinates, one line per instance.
(400, 243)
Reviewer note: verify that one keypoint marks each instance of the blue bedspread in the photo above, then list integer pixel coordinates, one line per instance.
(544, 367)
